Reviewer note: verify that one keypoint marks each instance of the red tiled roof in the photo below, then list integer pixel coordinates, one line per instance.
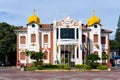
(48, 26)
(106, 31)
(45, 26)
(21, 29)
(41, 25)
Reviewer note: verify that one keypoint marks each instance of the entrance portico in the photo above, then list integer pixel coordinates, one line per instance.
(67, 38)
(70, 52)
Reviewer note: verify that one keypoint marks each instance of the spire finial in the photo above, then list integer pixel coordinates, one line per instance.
(93, 12)
(33, 11)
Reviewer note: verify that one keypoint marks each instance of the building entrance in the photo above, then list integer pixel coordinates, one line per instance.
(66, 54)
(65, 57)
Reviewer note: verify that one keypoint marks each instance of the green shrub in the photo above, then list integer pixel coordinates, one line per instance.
(40, 67)
(83, 67)
(93, 65)
(87, 67)
(64, 60)
(36, 63)
(92, 60)
(60, 66)
(49, 66)
(66, 67)
(102, 67)
(31, 68)
(78, 66)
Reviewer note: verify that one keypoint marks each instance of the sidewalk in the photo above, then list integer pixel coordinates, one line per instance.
(60, 75)
(6, 69)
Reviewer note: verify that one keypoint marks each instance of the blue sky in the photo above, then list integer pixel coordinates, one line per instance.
(16, 12)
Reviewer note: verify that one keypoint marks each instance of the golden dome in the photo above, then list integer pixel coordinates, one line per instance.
(94, 19)
(34, 18)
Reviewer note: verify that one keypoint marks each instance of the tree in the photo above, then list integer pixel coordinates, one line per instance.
(117, 38)
(92, 57)
(7, 40)
(113, 44)
(92, 60)
(104, 57)
(117, 35)
(38, 56)
(27, 52)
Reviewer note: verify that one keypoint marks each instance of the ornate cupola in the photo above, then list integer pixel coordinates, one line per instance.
(93, 19)
(33, 18)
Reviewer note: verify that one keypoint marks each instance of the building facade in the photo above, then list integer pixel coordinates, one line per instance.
(66, 38)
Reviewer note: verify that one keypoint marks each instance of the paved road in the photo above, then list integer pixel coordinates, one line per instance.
(59, 75)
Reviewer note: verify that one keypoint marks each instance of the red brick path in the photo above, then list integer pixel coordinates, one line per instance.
(59, 75)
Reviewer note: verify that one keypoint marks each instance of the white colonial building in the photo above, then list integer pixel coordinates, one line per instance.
(66, 38)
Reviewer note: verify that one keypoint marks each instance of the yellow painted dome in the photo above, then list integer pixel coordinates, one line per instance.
(34, 18)
(94, 19)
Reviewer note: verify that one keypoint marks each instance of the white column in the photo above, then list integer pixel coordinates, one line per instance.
(75, 33)
(75, 53)
(68, 55)
(80, 55)
(59, 53)
(72, 53)
(54, 45)
(59, 33)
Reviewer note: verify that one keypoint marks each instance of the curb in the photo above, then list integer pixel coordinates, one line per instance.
(93, 70)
